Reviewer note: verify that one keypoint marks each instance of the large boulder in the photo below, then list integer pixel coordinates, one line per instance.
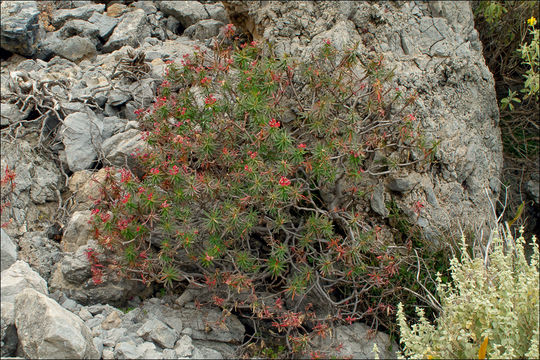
(46, 330)
(20, 28)
(434, 51)
(16, 278)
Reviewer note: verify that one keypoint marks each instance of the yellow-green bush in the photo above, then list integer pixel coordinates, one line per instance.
(493, 297)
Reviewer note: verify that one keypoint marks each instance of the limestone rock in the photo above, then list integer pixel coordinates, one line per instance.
(46, 330)
(118, 148)
(8, 250)
(19, 29)
(81, 135)
(9, 114)
(75, 49)
(73, 277)
(377, 201)
(358, 342)
(130, 31)
(16, 278)
(217, 12)
(112, 321)
(157, 331)
(187, 12)
(82, 13)
(403, 184)
(104, 23)
(77, 231)
(204, 29)
(85, 187)
(39, 252)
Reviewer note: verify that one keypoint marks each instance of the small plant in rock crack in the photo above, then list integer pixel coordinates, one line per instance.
(253, 186)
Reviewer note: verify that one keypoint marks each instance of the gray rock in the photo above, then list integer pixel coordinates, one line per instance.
(111, 337)
(169, 354)
(71, 305)
(81, 28)
(149, 351)
(75, 49)
(45, 180)
(98, 343)
(377, 201)
(40, 252)
(84, 314)
(402, 185)
(82, 13)
(20, 28)
(127, 350)
(112, 321)
(217, 12)
(108, 354)
(8, 331)
(16, 278)
(95, 322)
(130, 31)
(202, 352)
(187, 12)
(74, 107)
(81, 135)
(101, 309)
(118, 97)
(104, 23)
(118, 148)
(147, 6)
(358, 343)
(76, 268)
(8, 250)
(78, 231)
(225, 350)
(84, 185)
(158, 332)
(204, 29)
(208, 326)
(67, 275)
(46, 330)
(184, 347)
(10, 114)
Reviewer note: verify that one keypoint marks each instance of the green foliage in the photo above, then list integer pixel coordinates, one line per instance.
(493, 297)
(252, 184)
(510, 45)
(530, 53)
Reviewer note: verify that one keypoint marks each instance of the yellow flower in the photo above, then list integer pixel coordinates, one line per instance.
(531, 21)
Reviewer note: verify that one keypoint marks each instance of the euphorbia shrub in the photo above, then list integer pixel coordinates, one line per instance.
(254, 185)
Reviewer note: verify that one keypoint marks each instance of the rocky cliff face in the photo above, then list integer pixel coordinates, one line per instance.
(69, 90)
